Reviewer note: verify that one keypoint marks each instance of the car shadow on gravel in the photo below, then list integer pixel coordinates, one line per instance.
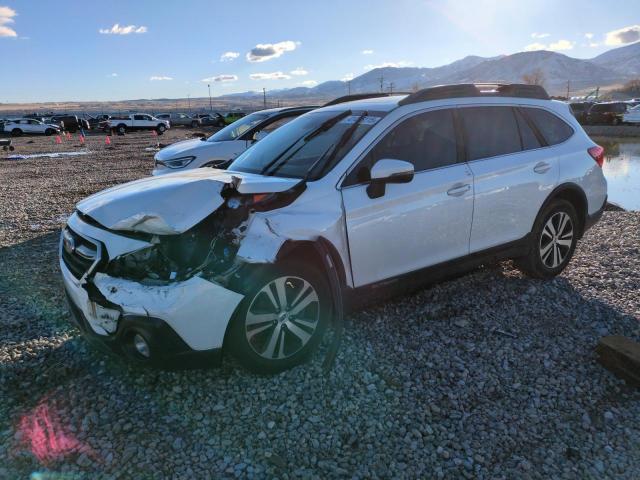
(490, 368)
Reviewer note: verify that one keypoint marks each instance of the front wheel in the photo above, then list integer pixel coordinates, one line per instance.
(121, 129)
(161, 128)
(282, 319)
(49, 131)
(16, 132)
(194, 124)
(615, 121)
(554, 238)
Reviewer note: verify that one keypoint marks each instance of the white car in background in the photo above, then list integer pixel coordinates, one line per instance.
(138, 121)
(632, 115)
(226, 144)
(29, 125)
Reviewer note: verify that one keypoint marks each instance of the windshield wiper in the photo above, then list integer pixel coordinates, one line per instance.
(336, 148)
(326, 125)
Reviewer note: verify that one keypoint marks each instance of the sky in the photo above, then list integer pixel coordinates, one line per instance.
(116, 50)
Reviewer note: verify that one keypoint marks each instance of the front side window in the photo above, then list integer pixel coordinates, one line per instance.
(277, 124)
(237, 128)
(490, 131)
(553, 129)
(427, 140)
(138, 117)
(309, 146)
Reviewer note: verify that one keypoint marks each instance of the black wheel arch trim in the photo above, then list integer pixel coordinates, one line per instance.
(573, 188)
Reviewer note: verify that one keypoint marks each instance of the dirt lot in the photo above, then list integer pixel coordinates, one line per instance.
(491, 375)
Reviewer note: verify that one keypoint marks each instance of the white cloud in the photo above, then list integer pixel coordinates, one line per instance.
(112, 75)
(535, 46)
(540, 35)
(221, 78)
(123, 30)
(347, 77)
(266, 51)
(588, 35)
(561, 45)
(229, 56)
(623, 36)
(309, 83)
(594, 44)
(554, 47)
(299, 72)
(399, 64)
(6, 16)
(269, 76)
(159, 78)
(366, 52)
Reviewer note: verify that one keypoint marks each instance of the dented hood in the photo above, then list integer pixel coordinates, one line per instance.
(172, 204)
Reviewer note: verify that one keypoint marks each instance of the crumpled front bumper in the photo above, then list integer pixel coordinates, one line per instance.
(179, 321)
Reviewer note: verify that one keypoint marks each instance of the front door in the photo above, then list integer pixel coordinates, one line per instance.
(417, 224)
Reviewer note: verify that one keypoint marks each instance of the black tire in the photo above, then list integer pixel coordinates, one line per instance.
(541, 261)
(194, 124)
(615, 121)
(289, 349)
(16, 132)
(121, 129)
(161, 128)
(49, 131)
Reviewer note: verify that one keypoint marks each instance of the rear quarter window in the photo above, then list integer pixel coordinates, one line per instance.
(490, 131)
(553, 129)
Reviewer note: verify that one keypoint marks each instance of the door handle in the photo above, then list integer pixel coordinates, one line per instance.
(459, 189)
(541, 167)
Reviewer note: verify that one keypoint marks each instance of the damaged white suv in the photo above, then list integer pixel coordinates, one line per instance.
(257, 259)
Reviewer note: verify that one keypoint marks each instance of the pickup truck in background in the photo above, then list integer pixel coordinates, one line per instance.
(138, 121)
(180, 119)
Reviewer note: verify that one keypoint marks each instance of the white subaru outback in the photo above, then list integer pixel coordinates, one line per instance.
(257, 259)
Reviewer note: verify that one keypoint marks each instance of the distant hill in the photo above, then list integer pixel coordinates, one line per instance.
(610, 68)
(624, 59)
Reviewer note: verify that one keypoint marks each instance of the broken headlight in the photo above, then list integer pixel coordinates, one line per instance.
(176, 162)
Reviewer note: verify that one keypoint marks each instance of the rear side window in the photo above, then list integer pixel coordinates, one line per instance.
(490, 131)
(553, 129)
(527, 135)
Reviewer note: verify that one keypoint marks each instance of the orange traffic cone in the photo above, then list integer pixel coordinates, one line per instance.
(107, 140)
(58, 140)
(81, 139)
(68, 136)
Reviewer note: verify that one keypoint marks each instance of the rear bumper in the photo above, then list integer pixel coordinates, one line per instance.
(592, 219)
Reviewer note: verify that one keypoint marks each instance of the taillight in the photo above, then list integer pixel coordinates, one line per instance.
(597, 153)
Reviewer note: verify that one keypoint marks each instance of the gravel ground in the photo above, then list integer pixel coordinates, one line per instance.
(490, 375)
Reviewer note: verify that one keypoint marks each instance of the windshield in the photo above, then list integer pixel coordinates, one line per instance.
(237, 128)
(307, 147)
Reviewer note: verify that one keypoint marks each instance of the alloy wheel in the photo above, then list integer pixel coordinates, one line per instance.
(282, 317)
(556, 240)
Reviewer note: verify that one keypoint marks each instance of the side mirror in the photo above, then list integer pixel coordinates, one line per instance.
(259, 135)
(388, 170)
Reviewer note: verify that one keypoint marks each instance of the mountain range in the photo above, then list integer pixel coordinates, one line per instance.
(610, 68)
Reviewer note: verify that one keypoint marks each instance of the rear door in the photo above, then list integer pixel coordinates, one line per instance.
(417, 224)
(513, 173)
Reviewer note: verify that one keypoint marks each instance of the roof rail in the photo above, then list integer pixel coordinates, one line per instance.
(476, 90)
(360, 96)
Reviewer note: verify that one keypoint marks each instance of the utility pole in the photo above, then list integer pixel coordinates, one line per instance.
(568, 86)
(210, 107)
(189, 102)
(264, 97)
(391, 85)
(381, 82)
(348, 87)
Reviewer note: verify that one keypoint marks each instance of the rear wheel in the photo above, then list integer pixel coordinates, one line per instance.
(49, 132)
(615, 121)
(16, 132)
(161, 128)
(554, 238)
(121, 129)
(194, 124)
(282, 319)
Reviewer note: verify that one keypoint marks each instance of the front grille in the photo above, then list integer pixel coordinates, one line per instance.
(78, 253)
